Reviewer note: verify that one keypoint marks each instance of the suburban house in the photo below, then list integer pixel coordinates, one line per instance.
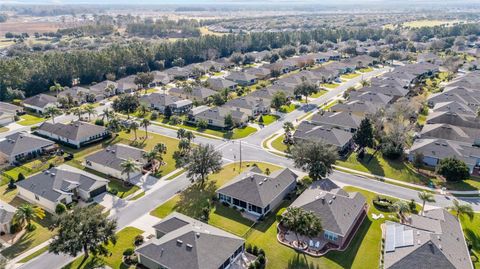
(23, 146)
(75, 134)
(126, 85)
(356, 107)
(454, 118)
(196, 93)
(436, 149)
(8, 113)
(376, 98)
(178, 73)
(454, 107)
(256, 192)
(160, 102)
(109, 160)
(63, 184)
(182, 242)
(160, 78)
(451, 132)
(103, 89)
(7, 213)
(249, 105)
(340, 138)
(341, 214)
(435, 240)
(259, 72)
(78, 95)
(219, 84)
(242, 78)
(38, 103)
(215, 116)
(340, 120)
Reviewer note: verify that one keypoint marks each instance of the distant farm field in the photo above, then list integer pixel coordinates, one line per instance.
(29, 26)
(429, 23)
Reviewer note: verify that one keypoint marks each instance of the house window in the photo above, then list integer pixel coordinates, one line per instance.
(330, 236)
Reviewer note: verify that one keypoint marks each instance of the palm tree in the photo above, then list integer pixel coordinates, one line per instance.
(151, 156)
(56, 88)
(464, 209)
(90, 110)
(129, 166)
(184, 145)
(288, 128)
(425, 197)
(301, 222)
(77, 111)
(189, 135)
(107, 113)
(161, 150)
(364, 83)
(134, 127)
(402, 208)
(145, 123)
(113, 124)
(53, 111)
(142, 110)
(181, 133)
(27, 212)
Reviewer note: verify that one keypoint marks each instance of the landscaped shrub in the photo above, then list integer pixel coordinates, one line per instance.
(139, 240)
(255, 250)
(279, 213)
(15, 228)
(32, 227)
(11, 184)
(382, 204)
(412, 205)
(174, 120)
(474, 258)
(20, 177)
(154, 115)
(248, 248)
(99, 122)
(60, 208)
(128, 252)
(113, 191)
(261, 259)
(261, 251)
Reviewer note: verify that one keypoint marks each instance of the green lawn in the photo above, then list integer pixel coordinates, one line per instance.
(269, 119)
(350, 76)
(34, 254)
(328, 106)
(181, 171)
(123, 191)
(30, 168)
(238, 133)
(192, 200)
(278, 144)
(330, 85)
(318, 94)
(366, 70)
(30, 119)
(31, 239)
(363, 251)
(288, 109)
(472, 234)
(382, 167)
(125, 240)
(138, 196)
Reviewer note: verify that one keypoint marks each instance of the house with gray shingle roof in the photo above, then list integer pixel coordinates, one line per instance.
(259, 72)
(160, 102)
(341, 120)
(126, 85)
(451, 132)
(256, 192)
(252, 106)
(376, 98)
(62, 184)
(7, 213)
(185, 243)
(160, 78)
(22, 146)
(215, 116)
(341, 139)
(454, 118)
(219, 84)
(109, 160)
(38, 103)
(357, 107)
(341, 213)
(78, 95)
(242, 78)
(75, 134)
(196, 93)
(99, 89)
(434, 240)
(436, 149)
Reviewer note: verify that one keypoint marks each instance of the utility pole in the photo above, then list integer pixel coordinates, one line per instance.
(239, 170)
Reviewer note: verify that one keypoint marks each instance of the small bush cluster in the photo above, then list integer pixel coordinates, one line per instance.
(113, 191)
(260, 261)
(382, 203)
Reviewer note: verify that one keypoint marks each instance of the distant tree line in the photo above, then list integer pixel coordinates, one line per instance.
(88, 30)
(165, 28)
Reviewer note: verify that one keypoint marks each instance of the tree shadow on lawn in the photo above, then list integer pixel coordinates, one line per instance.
(24, 243)
(231, 214)
(371, 163)
(87, 263)
(300, 261)
(345, 258)
(193, 199)
(472, 237)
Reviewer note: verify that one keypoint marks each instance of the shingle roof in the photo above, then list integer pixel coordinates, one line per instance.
(343, 119)
(257, 188)
(220, 83)
(6, 212)
(312, 132)
(454, 107)
(197, 92)
(113, 156)
(450, 132)
(160, 99)
(337, 210)
(356, 106)
(438, 242)
(454, 118)
(52, 184)
(372, 97)
(247, 102)
(10, 108)
(22, 142)
(441, 148)
(101, 86)
(40, 100)
(193, 246)
(240, 76)
(74, 131)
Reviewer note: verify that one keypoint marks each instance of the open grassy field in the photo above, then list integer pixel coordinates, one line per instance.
(278, 144)
(30, 119)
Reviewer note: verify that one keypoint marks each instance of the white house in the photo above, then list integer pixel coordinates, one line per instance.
(74, 134)
(40, 102)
